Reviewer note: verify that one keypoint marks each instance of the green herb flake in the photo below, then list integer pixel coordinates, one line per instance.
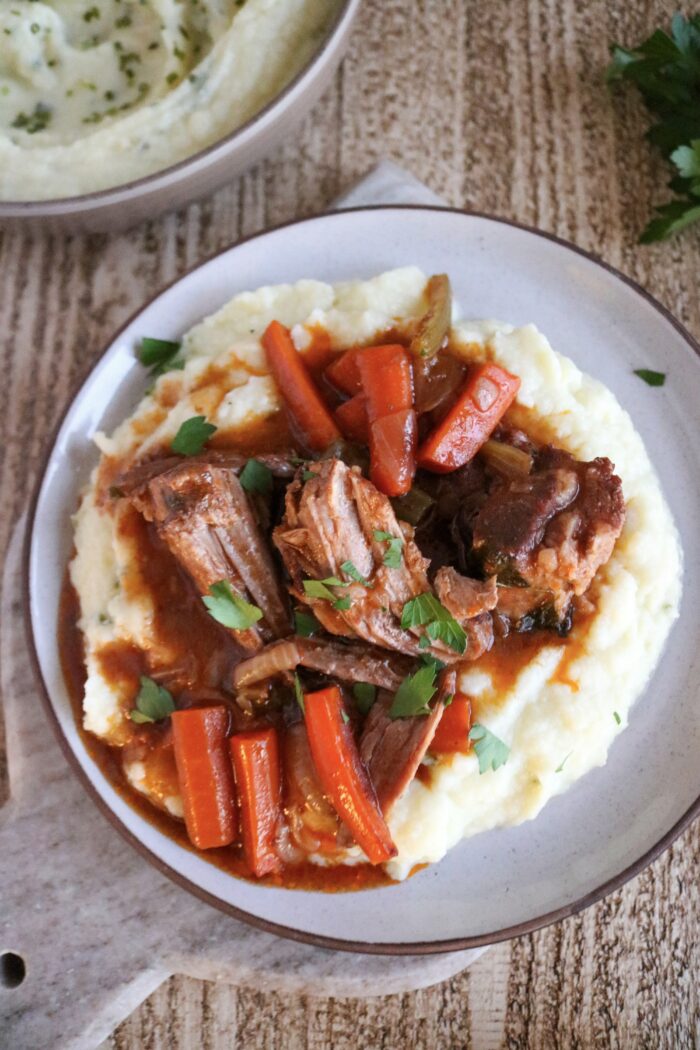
(256, 477)
(192, 436)
(345, 717)
(365, 694)
(229, 609)
(439, 624)
(36, 121)
(491, 752)
(299, 694)
(563, 762)
(650, 377)
(414, 694)
(617, 718)
(350, 570)
(342, 604)
(159, 355)
(153, 703)
(305, 624)
(308, 475)
(392, 556)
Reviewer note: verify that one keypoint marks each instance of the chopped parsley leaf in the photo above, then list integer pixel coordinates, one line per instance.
(365, 694)
(256, 477)
(650, 377)
(229, 609)
(392, 557)
(440, 625)
(305, 624)
(491, 752)
(153, 703)
(192, 436)
(414, 694)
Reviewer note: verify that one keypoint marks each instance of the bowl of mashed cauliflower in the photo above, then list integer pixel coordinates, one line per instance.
(112, 110)
(416, 587)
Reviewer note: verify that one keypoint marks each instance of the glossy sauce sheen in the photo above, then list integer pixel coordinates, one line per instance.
(205, 654)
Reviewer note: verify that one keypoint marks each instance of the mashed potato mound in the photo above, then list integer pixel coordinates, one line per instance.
(557, 729)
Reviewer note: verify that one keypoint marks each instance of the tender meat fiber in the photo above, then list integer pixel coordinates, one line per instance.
(351, 662)
(203, 515)
(393, 748)
(552, 530)
(141, 474)
(332, 519)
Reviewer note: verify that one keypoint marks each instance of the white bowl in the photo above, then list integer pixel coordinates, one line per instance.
(614, 820)
(202, 173)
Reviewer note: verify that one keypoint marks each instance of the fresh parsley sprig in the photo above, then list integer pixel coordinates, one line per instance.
(393, 553)
(322, 589)
(491, 752)
(414, 694)
(256, 477)
(666, 69)
(153, 703)
(159, 356)
(440, 624)
(192, 436)
(229, 609)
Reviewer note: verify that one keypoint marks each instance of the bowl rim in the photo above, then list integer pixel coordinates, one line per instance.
(319, 940)
(76, 203)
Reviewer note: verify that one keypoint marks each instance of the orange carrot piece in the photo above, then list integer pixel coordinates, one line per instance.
(343, 776)
(205, 775)
(308, 412)
(482, 403)
(452, 733)
(392, 451)
(351, 417)
(344, 374)
(387, 381)
(256, 766)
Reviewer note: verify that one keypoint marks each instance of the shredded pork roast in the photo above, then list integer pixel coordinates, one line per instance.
(332, 519)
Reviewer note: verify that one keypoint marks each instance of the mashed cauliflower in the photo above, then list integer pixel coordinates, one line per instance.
(96, 93)
(557, 729)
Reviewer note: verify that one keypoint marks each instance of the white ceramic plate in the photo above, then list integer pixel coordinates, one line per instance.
(613, 821)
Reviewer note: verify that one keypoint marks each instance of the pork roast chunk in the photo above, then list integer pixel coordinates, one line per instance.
(550, 530)
(331, 519)
(393, 748)
(202, 513)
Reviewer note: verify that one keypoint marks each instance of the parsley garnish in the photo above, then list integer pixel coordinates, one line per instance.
(365, 695)
(256, 477)
(392, 557)
(414, 694)
(321, 589)
(617, 718)
(650, 377)
(563, 762)
(350, 570)
(299, 693)
(305, 624)
(159, 355)
(153, 703)
(38, 120)
(666, 69)
(428, 660)
(229, 608)
(491, 752)
(308, 475)
(440, 625)
(192, 436)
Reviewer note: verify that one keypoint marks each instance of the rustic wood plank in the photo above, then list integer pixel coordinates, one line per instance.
(502, 108)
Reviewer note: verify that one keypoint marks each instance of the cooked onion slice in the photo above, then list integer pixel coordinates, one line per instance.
(507, 459)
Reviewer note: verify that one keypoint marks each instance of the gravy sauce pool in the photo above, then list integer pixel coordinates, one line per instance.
(203, 656)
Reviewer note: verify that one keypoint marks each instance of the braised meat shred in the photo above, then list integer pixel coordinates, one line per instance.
(332, 519)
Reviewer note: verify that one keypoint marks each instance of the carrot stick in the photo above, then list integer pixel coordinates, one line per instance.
(452, 733)
(351, 417)
(344, 374)
(482, 403)
(343, 776)
(205, 776)
(387, 382)
(392, 452)
(309, 414)
(256, 766)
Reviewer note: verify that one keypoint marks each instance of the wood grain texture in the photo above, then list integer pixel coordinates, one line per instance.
(500, 107)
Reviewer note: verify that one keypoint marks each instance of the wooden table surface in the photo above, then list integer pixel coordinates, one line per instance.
(500, 107)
